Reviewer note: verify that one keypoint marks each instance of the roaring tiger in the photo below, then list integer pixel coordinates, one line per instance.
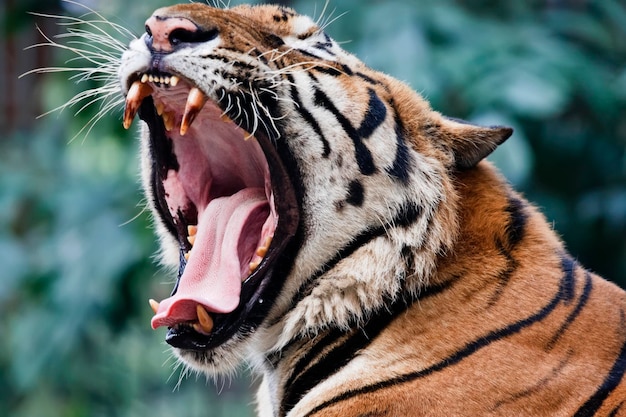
(348, 241)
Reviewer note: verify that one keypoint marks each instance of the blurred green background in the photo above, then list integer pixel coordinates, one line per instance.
(76, 247)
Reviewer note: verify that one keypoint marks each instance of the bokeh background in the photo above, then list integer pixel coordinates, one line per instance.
(76, 246)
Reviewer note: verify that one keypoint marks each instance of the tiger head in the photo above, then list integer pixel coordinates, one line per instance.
(293, 188)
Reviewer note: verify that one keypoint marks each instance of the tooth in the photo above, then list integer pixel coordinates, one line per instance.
(195, 102)
(191, 239)
(154, 304)
(174, 81)
(169, 120)
(261, 251)
(225, 118)
(186, 256)
(162, 80)
(192, 230)
(144, 78)
(247, 135)
(167, 80)
(159, 108)
(151, 78)
(254, 265)
(204, 320)
(136, 93)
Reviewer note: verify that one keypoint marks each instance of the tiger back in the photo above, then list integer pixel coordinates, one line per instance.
(349, 242)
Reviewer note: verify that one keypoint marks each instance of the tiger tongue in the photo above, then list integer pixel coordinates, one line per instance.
(212, 276)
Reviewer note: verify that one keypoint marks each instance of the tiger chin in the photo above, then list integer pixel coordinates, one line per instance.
(348, 241)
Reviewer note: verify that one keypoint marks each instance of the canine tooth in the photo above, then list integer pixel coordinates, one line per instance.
(154, 305)
(144, 78)
(225, 118)
(187, 254)
(174, 81)
(192, 230)
(195, 102)
(204, 320)
(191, 239)
(136, 93)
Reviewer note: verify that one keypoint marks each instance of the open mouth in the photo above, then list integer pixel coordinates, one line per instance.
(225, 196)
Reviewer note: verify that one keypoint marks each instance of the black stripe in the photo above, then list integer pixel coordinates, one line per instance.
(328, 70)
(309, 54)
(307, 116)
(514, 233)
(356, 193)
(568, 266)
(363, 155)
(408, 214)
(458, 356)
(300, 383)
(374, 117)
(616, 410)
(612, 380)
(582, 301)
(367, 78)
(517, 221)
(403, 161)
(541, 384)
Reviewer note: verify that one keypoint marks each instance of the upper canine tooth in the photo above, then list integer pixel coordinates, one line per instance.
(195, 102)
(136, 93)
(174, 81)
(192, 230)
(191, 239)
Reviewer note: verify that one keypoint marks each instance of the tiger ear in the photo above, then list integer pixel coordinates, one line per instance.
(471, 143)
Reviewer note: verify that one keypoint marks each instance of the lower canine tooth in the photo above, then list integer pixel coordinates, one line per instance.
(204, 320)
(136, 93)
(154, 305)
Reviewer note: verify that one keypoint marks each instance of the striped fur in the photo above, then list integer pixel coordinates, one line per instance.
(418, 282)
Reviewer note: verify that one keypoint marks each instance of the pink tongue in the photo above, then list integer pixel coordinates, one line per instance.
(213, 273)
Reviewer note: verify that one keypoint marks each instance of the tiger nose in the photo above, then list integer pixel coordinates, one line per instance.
(165, 34)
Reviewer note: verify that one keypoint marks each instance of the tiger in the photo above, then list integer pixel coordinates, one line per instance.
(349, 243)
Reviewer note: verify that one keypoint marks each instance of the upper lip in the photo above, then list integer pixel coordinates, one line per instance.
(255, 299)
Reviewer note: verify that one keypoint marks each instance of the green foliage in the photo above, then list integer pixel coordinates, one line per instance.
(76, 246)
